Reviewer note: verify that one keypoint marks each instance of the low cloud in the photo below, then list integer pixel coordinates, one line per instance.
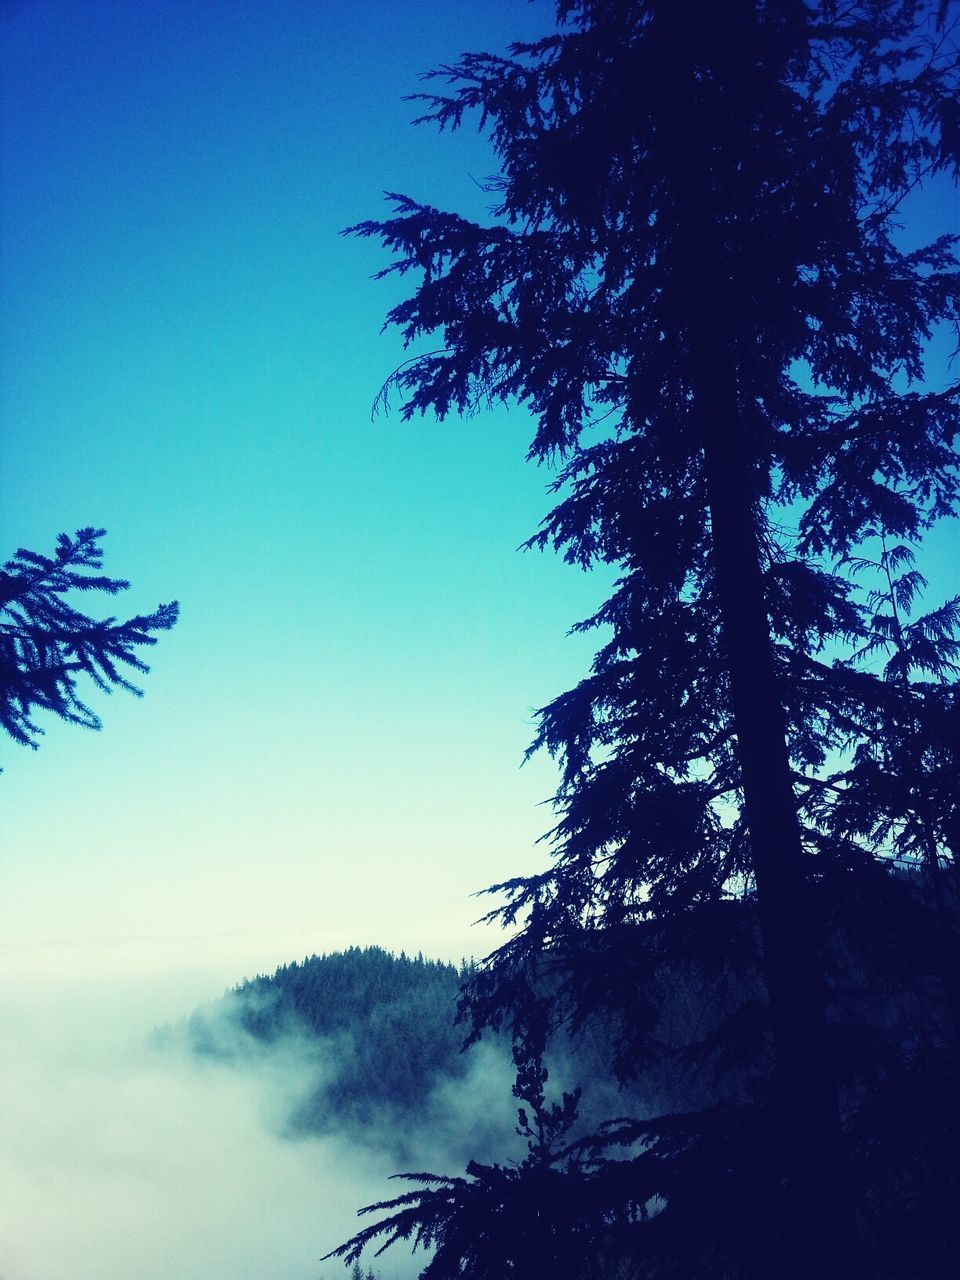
(123, 1161)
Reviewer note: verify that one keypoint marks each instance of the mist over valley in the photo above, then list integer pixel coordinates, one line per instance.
(237, 1141)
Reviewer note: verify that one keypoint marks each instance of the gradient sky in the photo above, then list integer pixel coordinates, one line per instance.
(328, 750)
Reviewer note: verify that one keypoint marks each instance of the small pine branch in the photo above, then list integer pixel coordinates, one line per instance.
(47, 644)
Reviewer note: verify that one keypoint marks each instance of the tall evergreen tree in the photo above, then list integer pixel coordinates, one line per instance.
(693, 278)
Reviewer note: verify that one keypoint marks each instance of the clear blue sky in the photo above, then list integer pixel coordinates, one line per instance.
(329, 746)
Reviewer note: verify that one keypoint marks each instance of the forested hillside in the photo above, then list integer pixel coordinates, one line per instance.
(365, 1043)
(374, 1033)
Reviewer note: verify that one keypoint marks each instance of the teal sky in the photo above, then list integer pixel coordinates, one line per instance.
(328, 750)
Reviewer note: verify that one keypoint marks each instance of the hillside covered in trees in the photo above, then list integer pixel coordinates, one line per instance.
(366, 1043)
(373, 1034)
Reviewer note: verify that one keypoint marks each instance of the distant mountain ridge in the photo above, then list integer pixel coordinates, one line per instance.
(376, 1031)
(364, 1043)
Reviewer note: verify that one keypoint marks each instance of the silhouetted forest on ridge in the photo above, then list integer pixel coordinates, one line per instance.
(382, 1026)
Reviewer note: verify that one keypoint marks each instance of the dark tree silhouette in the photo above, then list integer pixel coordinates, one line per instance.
(47, 645)
(694, 279)
(526, 1219)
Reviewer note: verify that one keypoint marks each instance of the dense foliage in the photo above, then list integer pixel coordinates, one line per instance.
(376, 1032)
(365, 1040)
(47, 645)
(694, 278)
(391, 1019)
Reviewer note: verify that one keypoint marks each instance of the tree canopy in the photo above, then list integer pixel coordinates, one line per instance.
(694, 277)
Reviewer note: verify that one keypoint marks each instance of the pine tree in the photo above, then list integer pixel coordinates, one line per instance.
(693, 279)
(47, 645)
(525, 1219)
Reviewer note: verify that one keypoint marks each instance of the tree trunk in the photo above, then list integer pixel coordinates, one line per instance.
(816, 1195)
(819, 1208)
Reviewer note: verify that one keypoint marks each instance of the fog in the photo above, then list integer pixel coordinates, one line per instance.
(122, 1161)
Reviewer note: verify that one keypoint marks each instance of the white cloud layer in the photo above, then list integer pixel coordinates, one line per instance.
(122, 1163)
